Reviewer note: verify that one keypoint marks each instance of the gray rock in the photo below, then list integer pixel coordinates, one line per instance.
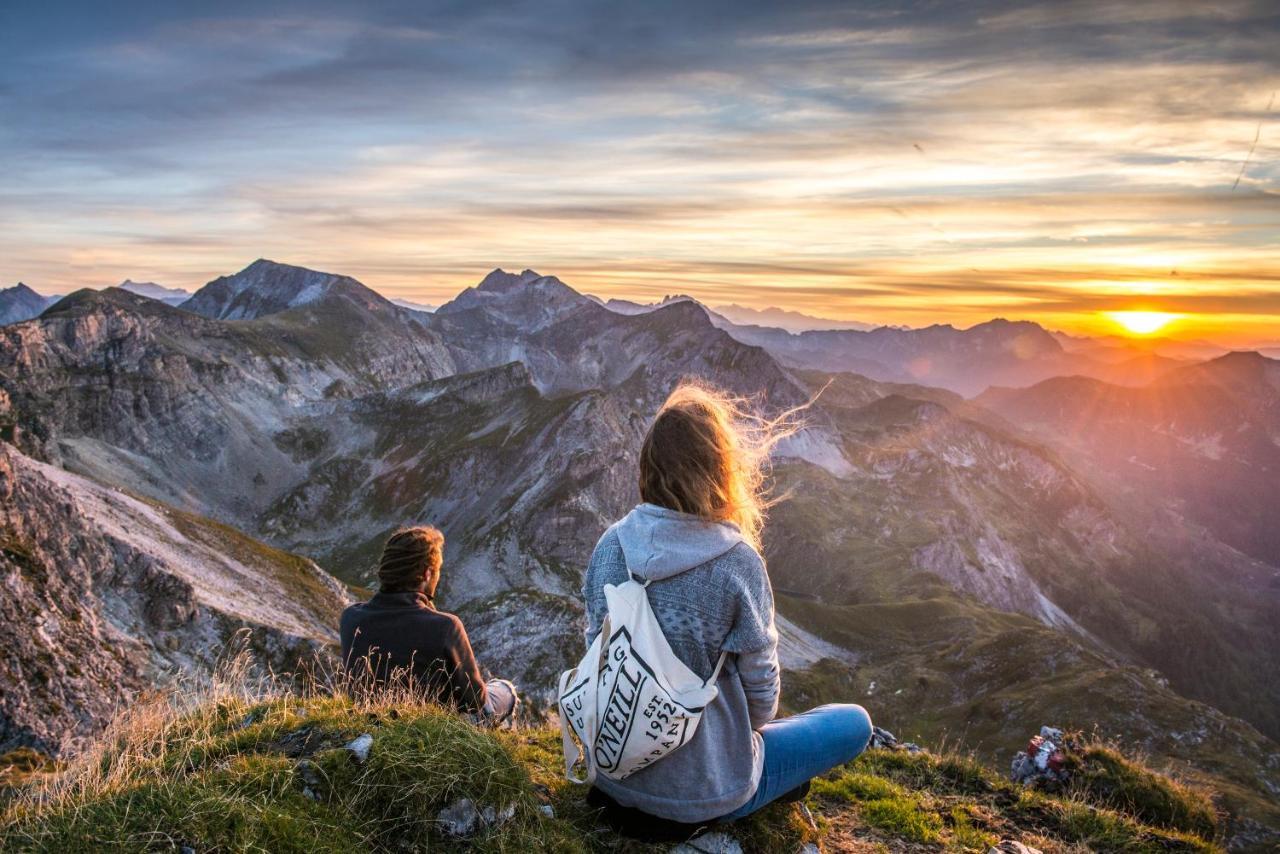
(460, 819)
(882, 738)
(1012, 846)
(312, 780)
(709, 843)
(493, 816)
(463, 819)
(360, 747)
(547, 811)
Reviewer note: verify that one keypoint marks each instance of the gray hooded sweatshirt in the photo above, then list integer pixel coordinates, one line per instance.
(709, 592)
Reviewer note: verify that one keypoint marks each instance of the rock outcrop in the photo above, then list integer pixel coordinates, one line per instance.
(106, 595)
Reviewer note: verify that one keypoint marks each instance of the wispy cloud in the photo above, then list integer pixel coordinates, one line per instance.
(909, 164)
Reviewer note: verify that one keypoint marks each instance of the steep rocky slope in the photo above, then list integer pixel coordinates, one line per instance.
(1207, 436)
(107, 595)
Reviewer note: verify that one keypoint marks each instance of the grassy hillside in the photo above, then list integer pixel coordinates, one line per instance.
(253, 770)
(939, 668)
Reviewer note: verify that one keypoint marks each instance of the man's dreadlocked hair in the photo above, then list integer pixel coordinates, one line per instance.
(411, 560)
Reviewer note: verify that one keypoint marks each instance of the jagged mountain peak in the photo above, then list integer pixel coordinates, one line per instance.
(500, 281)
(20, 303)
(528, 299)
(268, 287)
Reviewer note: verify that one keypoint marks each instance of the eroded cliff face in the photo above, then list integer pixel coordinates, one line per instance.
(105, 595)
(130, 391)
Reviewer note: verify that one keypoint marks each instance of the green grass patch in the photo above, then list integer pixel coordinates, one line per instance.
(857, 787)
(904, 818)
(1108, 777)
(965, 834)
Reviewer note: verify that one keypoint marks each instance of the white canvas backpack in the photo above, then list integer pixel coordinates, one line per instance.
(630, 701)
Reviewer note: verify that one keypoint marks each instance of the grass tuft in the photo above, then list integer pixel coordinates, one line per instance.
(904, 818)
(1108, 777)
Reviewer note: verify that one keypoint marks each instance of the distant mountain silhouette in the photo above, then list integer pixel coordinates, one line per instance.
(20, 303)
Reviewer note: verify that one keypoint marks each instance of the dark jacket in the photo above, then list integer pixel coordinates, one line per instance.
(403, 635)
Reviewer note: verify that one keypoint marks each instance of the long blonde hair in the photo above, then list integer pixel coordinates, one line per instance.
(707, 453)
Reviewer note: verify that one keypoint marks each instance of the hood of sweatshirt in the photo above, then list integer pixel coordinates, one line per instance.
(658, 543)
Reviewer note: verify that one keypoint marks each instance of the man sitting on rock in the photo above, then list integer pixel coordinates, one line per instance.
(399, 637)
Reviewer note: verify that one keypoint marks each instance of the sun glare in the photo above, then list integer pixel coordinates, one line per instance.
(1141, 322)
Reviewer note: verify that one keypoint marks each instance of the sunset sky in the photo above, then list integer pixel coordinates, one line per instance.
(892, 163)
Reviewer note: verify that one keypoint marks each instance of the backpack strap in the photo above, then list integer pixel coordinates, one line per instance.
(715, 674)
(572, 754)
(643, 582)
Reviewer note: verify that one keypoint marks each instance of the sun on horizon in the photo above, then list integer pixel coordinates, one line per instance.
(1141, 322)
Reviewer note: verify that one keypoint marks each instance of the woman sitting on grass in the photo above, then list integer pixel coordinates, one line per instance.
(399, 637)
(696, 537)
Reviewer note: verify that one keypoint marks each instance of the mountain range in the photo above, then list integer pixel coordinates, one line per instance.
(997, 353)
(966, 361)
(946, 561)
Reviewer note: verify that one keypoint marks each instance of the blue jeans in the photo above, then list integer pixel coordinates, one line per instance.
(799, 748)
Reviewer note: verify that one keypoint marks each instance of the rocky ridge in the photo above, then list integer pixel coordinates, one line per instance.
(106, 595)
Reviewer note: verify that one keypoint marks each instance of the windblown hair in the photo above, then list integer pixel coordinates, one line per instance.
(411, 560)
(707, 453)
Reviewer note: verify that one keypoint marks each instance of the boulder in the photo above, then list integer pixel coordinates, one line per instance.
(709, 843)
